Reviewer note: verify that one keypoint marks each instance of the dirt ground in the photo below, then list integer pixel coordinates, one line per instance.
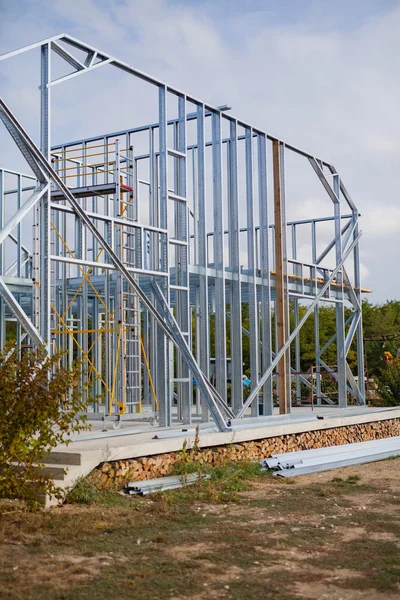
(334, 535)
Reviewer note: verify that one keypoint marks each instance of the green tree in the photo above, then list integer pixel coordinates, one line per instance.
(389, 384)
(381, 325)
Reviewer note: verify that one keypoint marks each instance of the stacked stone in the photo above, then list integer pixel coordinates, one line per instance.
(117, 473)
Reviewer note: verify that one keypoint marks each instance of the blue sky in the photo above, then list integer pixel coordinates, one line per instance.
(320, 74)
(323, 14)
(318, 16)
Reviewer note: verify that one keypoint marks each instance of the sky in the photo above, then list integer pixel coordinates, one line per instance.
(318, 74)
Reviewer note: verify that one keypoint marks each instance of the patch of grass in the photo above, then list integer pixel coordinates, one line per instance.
(378, 561)
(301, 501)
(224, 485)
(351, 479)
(375, 521)
(139, 580)
(187, 468)
(341, 487)
(255, 588)
(89, 493)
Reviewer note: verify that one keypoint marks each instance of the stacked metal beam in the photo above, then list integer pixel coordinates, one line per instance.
(162, 484)
(292, 464)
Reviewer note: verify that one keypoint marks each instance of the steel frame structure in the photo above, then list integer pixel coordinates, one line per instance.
(134, 254)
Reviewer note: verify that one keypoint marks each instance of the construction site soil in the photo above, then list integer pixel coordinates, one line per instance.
(243, 536)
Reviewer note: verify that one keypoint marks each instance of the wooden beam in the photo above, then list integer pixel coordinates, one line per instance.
(280, 314)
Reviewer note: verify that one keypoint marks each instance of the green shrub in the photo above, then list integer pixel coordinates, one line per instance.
(40, 405)
(88, 492)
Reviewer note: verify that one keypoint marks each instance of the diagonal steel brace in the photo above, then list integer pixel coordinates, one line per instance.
(20, 314)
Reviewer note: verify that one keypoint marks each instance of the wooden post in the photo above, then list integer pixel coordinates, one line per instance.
(280, 315)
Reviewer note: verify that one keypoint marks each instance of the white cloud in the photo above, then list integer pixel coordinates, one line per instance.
(332, 91)
(364, 273)
(382, 221)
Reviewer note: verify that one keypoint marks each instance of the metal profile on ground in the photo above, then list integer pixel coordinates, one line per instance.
(325, 459)
(332, 450)
(162, 484)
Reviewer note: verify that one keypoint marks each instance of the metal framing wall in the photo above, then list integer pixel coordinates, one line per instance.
(142, 262)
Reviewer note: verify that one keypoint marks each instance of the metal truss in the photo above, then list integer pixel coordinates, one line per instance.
(144, 255)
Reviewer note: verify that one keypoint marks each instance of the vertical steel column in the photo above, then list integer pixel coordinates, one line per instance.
(63, 302)
(95, 316)
(19, 257)
(163, 387)
(197, 349)
(317, 347)
(176, 363)
(251, 254)
(276, 349)
(147, 399)
(219, 263)
(281, 316)
(234, 251)
(265, 273)
(204, 331)
(121, 299)
(286, 282)
(96, 353)
(296, 321)
(359, 331)
(195, 261)
(80, 300)
(182, 233)
(340, 325)
(19, 249)
(153, 258)
(85, 294)
(108, 337)
(44, 204)
(195, 258)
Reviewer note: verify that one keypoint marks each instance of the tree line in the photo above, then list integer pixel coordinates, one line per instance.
(381, 335)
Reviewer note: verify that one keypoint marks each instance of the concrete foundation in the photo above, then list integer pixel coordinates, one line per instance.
(159, 448)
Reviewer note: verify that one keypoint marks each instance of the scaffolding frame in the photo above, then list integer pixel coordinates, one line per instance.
(134, 293)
